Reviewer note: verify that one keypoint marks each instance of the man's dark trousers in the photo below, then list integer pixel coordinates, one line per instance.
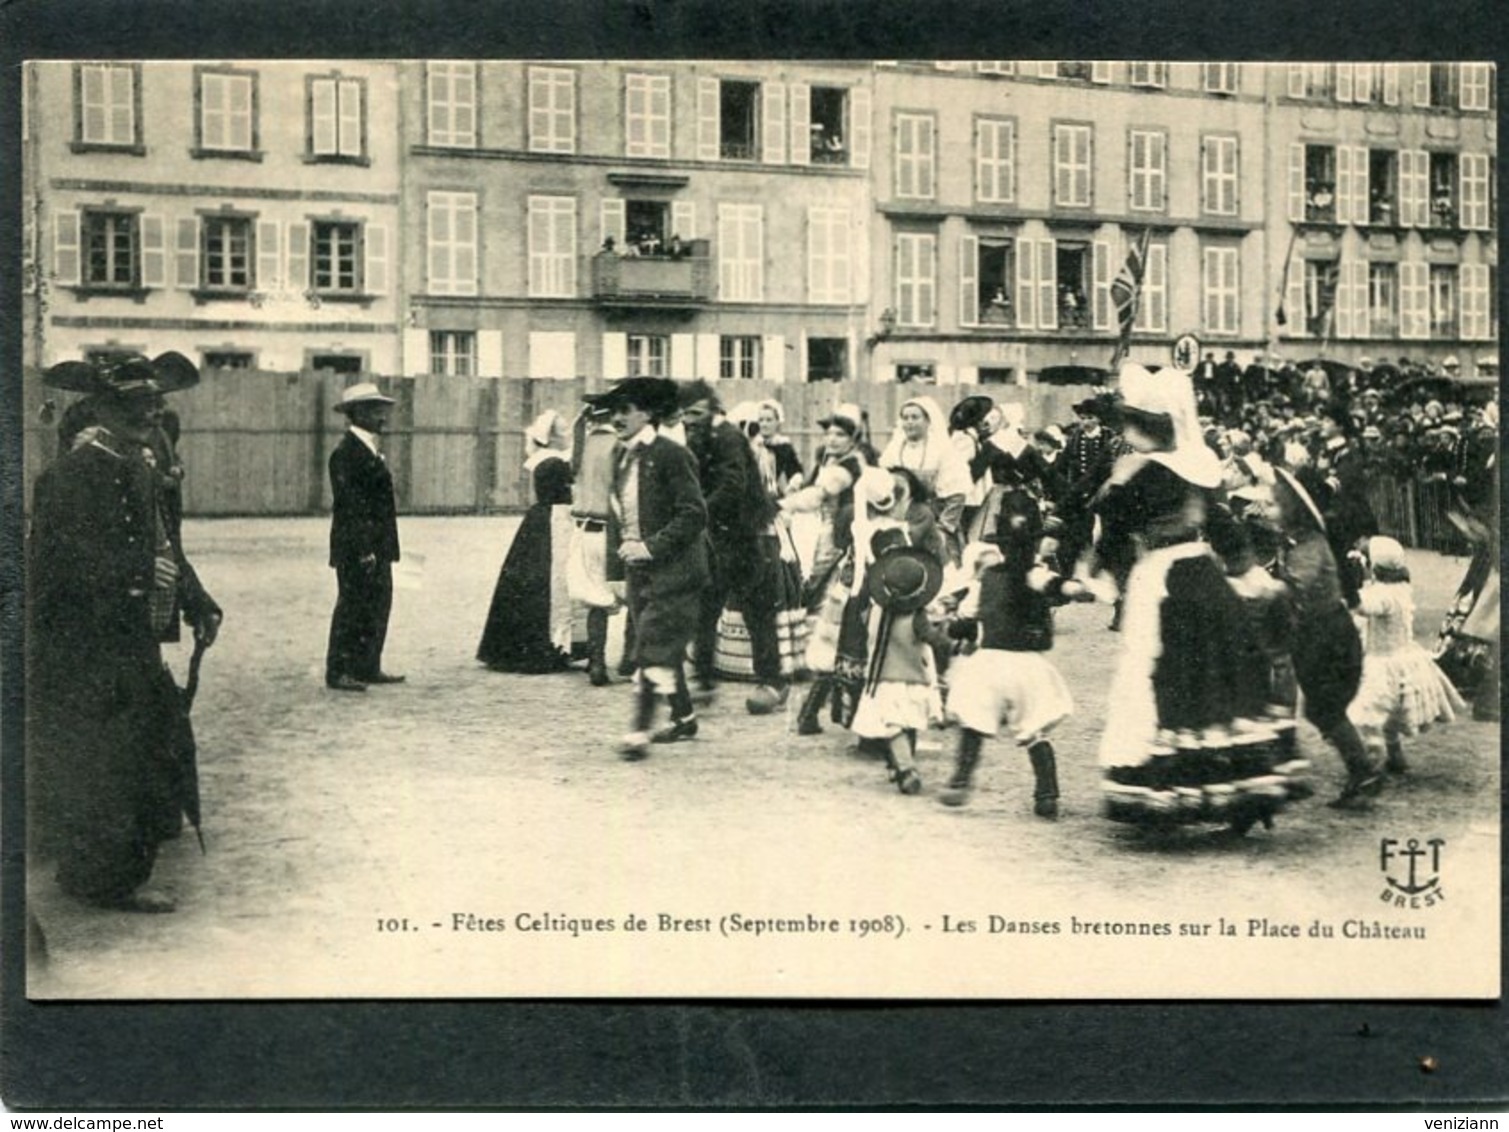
(359, 626)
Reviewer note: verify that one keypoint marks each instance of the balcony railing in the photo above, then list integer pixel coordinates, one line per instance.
(655, 280)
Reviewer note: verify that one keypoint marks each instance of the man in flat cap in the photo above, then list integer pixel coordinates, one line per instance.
(363, 544)
(108, 583)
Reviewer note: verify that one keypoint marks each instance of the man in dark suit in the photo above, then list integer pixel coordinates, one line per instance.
(743, 561)
(661, 524)
(363, 544)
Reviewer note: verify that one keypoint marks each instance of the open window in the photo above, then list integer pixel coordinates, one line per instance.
(1320, 184)
(829, 125)
(827, 359)
(1073, 266)
(996, 274)
(647, 226)
(1383, 187)
(738, 120)
(916, 373)
(1445, 190)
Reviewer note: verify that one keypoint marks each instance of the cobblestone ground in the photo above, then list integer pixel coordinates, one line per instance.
(330, 819)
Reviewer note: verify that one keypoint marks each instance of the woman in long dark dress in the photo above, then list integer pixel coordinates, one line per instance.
(529, 625)
(1183, 740)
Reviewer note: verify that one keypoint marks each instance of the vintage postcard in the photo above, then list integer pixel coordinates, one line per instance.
(870, 529)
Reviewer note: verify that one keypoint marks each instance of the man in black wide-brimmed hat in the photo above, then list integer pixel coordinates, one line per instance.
(108, 582)
(661, 554)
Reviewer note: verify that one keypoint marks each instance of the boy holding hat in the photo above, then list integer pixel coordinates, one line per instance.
(363, 543)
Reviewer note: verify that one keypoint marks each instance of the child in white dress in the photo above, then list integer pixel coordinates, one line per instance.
(1402, 691)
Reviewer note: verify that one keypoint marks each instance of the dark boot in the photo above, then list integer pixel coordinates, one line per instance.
(637, 744)
(626, 666)
(812, 704)
(1045, 774)
(1364, 777)
(597, 647)
(1396, 763)
(956, 793)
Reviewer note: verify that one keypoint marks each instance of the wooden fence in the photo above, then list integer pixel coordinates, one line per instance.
(256, 442)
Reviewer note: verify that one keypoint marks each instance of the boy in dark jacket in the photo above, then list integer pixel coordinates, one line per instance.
(1007, 613)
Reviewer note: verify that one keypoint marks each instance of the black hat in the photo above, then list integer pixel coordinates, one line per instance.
(655, 395)
(133, 375)
(904, 579)
(969, 412)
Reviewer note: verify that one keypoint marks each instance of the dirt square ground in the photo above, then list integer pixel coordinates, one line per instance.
(352, 839)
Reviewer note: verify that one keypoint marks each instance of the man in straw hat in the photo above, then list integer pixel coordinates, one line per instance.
(661, 555)
(363, 543)
(108, 583)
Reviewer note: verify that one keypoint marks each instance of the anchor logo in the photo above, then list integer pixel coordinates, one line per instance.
(1391, 854)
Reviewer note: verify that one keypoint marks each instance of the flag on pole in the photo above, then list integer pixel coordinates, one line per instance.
(1126, 289)
(1281, 316)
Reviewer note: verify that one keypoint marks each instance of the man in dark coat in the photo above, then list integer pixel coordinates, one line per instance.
(363, 544)
(662, 548)
(744, 561)
(105, 782)
(1085, 464)
(1229, 389)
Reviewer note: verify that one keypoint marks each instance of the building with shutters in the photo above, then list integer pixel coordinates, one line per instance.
(1009, 193)
(1340, 209)
(241, 213)
(1385, 211)
(604, 219)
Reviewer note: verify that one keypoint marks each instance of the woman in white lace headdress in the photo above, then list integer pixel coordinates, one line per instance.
(921, 444)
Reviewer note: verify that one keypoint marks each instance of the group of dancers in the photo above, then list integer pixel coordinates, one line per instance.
(904, 588)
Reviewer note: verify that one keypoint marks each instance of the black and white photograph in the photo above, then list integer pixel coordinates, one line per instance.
(759, 529)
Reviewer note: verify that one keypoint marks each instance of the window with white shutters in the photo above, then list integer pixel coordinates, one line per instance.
(916, 278)
(1414, 300)
(552, 110)
(1221, 296)
(451, 104)
(1152, 305)
(1414, 188)
(828, 255)
(1219, 78)
(1219, 175)
(1475, 181)
(451, 243)
(1476, 86)
(227, 111)
(995, 160)
(107, 104)
(552, 247)
(647, 115)
(1475, 301)
(915, 140)
(741, 253)
(1071, 165)
(1147, 170)
(337, 119)
(1147, 74)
